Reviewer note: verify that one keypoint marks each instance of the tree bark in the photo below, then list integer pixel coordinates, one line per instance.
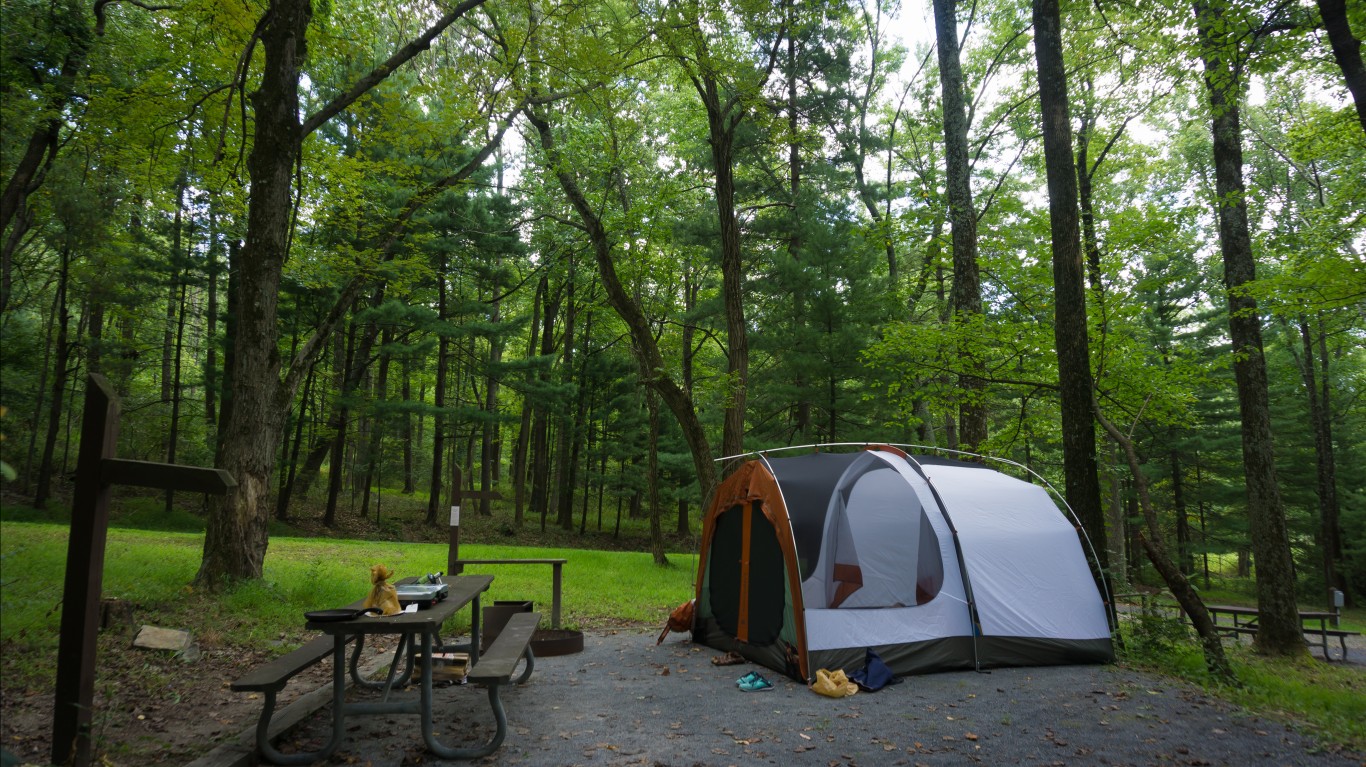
(722, 122)
(406, 428)
(520, 451)
(1278, 622)
(439, 400)
(1318, 387)
(1347, 52)
(652, 481)
(966, 295)
(568, 429)
(374, 452)
(341, 424)
(489, 439)
(1070, 327)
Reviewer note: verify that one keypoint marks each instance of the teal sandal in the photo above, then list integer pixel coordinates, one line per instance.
(755, 684)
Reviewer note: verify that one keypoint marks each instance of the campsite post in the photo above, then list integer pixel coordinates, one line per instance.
(453, 565)
(97, 471)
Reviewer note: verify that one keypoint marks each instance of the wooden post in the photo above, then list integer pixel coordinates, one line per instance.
(97, 470)
(453, 565)
(75, 690)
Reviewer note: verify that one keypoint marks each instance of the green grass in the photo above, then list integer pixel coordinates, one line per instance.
(1326, 699)
(153, 571)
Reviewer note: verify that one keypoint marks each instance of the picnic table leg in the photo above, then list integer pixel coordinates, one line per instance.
(428, 730)
(474, 632)
(273, 755)
(529, 667)
(403, 651)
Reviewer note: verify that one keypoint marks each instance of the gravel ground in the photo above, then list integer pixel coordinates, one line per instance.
(626, 701)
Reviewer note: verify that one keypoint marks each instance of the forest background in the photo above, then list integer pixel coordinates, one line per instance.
(580, 251)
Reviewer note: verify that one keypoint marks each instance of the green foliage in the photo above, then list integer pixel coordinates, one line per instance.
(844, 240)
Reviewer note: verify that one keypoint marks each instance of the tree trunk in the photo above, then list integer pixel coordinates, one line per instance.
(1278, 621)
(173, 433)
(722, 122)
(236, 536)
(523, 446)
(568, 435)
(406, 429)
(374, 452)
(439, 420)
(1325, 462)
(802, 419)
(540, 426)
(652, 481)
(60, 371)
(967, 284)
(341, 424)
(488, 448)
(287, 488)
(1185, 559)
(1216, 662)
(569, 476)
(1069, 286)
(1346, 51)
(1089, 238)
(651, 361)
(211, 272)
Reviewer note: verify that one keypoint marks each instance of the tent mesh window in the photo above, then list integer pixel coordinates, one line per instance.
(881, 549)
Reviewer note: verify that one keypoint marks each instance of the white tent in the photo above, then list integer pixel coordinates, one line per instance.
(933, 563)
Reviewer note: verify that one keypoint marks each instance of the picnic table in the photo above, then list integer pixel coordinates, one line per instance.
(419, 640)
(1238, 616)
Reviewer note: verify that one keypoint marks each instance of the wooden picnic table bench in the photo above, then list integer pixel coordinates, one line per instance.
(494, 669)
(1338, 634)
(1314, 636)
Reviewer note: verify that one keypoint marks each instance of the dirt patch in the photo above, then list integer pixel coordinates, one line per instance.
(151, 707)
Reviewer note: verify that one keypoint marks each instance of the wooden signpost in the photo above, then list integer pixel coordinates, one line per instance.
(453, 565)
(97, 470)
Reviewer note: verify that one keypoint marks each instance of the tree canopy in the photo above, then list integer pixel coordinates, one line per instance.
(587, 250)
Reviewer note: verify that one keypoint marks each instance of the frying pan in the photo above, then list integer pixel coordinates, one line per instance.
(339, 614)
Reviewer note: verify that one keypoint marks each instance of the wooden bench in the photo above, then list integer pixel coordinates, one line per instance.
(271, 678)
(495, 668)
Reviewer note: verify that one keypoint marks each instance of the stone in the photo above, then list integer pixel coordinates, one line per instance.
(154, 638)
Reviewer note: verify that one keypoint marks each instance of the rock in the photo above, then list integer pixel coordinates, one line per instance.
(153, 638)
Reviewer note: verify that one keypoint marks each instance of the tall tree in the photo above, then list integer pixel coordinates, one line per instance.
(1070, 326)
(966, 296)
(1220, 33)
(236, 535)
(727, 82)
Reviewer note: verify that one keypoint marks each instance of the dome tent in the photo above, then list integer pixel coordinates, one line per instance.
(934, 563)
